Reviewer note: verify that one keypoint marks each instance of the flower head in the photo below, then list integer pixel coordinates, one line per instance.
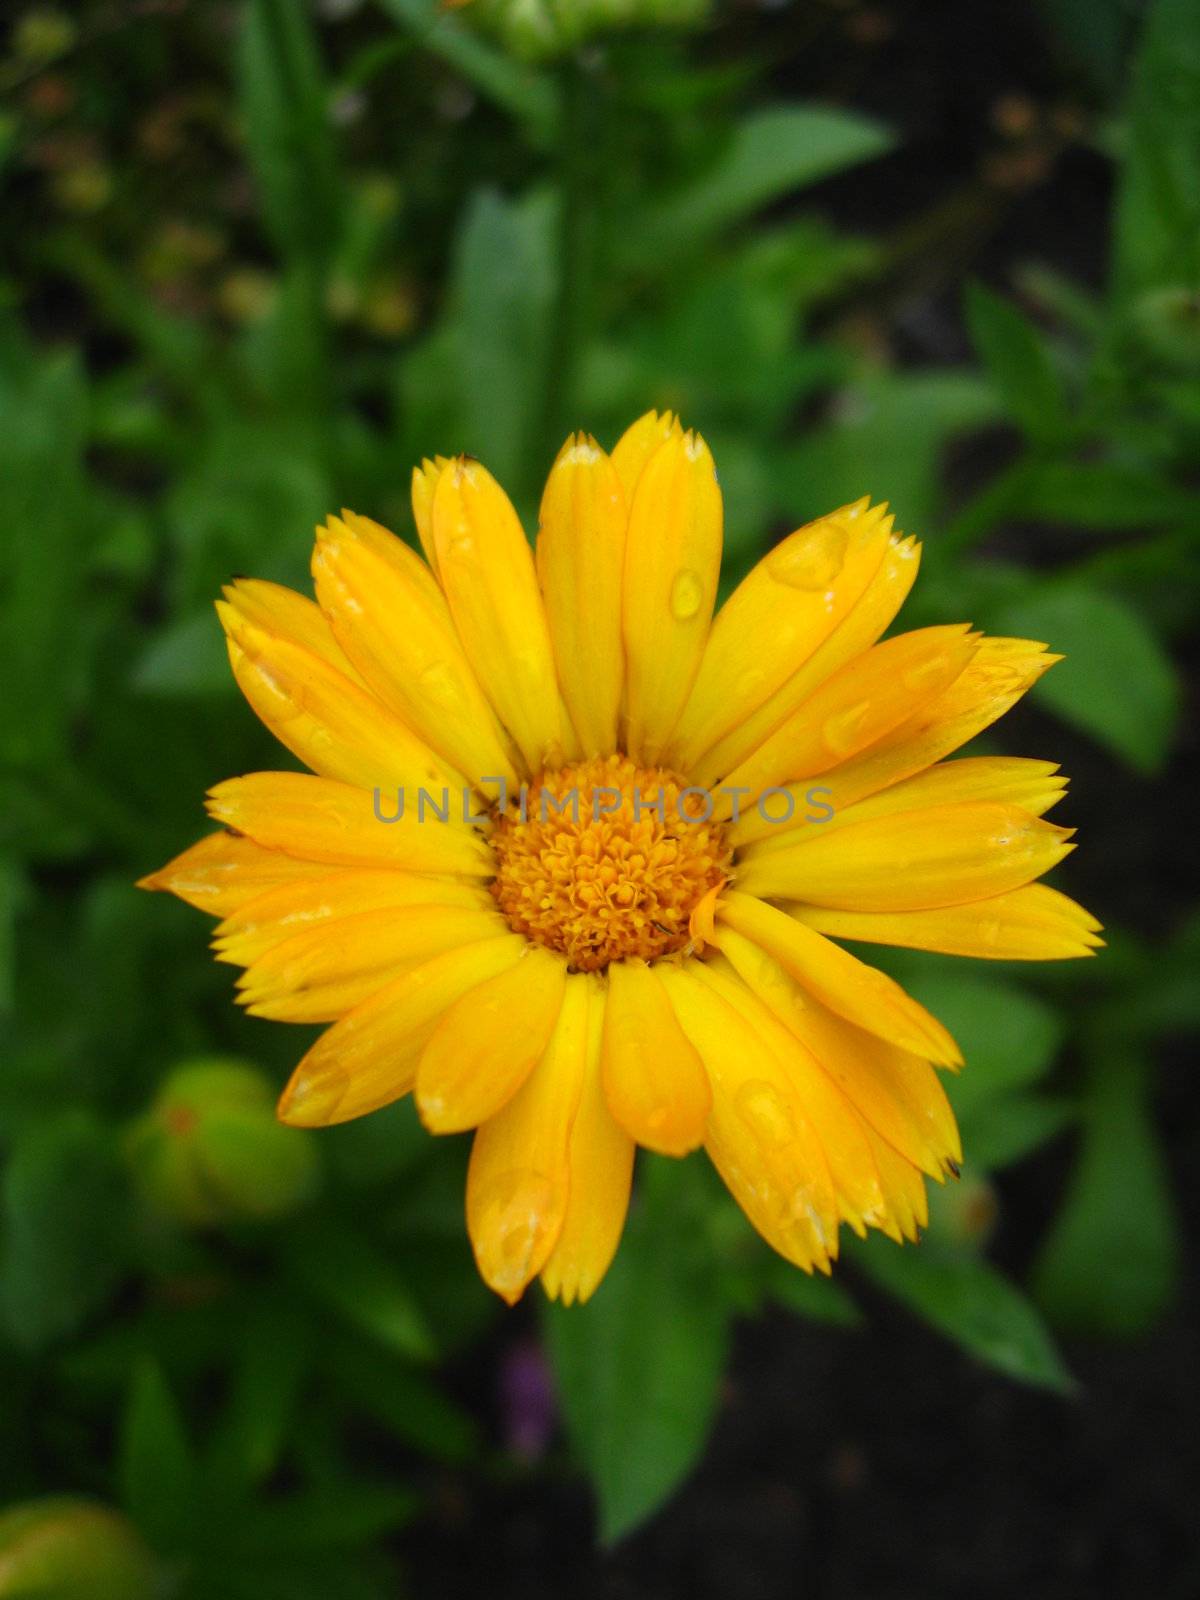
(574, 853)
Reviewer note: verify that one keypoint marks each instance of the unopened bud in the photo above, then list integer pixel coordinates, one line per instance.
(73, 1549)
(210, 1149)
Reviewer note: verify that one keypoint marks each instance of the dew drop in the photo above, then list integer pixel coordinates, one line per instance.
(810, 559)
(513, 1213)
(766, 1113)
(842, 734)
(925, 674)
(687, 591)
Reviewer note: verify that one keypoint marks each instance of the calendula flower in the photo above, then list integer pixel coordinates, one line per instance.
(574, 854)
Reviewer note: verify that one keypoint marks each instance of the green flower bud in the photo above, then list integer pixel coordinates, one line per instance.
(210, 1149)
(963, 1211)
(1168, 321)
(539, 29)
(70, 1548)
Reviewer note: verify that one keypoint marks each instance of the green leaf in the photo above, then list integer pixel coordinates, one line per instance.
(505, 276)
(638, 1366)
(1105, 494)
(1157, 228)
(517, 89)
(284, 106)
(1018, 363)
(816, 1298)
(970, 1302)
(404, 1399)
(1111, 1262)
(772, 152)
(886, 440)
(156, 1467)
(1116, 683)
(1008, 1129)
(1008, 1037)
(274, 1357)
(44, 510)
(344, 1269)
(188, 657)
(330, 1517)
(63, 1212)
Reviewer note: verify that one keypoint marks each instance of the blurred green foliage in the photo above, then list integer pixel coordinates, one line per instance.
(267, 261)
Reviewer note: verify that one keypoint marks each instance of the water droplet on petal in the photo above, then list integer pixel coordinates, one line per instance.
(842, 734)
(812, 558)
(687, 592)
(512, 1217)
(766, 1113)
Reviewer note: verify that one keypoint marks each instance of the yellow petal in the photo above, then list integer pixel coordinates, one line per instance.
(759, 1137)
(402, 640)
(851, 988)
(320, 715)
(488, 1043)
(937, 856)
(843, 1138)
(223, 872)
(1035, 923)
(906, 1205)
(895, 1092)
(369, 1058)
(865, 615)
(795, 598)
(600, 1163)
(279, 610)
(519, 1176)
(672, 561)
(487, 571)
(656, 1084)
(998, 674)
(335, 823)
(424, 484)
(856, 707)
(326, 970)
(289, 908)
(638, 443)
(580, 560)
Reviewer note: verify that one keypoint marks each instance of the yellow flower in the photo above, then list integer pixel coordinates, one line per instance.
(574, 853)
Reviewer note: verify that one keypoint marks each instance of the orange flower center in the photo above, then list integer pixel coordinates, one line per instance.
(605, 859)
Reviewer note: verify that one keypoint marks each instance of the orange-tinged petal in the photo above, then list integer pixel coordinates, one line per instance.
(327, 969)
(320, 715)
(672, 561)
(638, 443)
(600, 1163)
(289, 908)
(998, 674)
(580, 561)
(1035, 923)
(937, 856)
(337, 824)
(224, 871)
(860, 993)
(759, 1137)
(795, 598)
(896, 1092)
(489, 1042)
(369, 1058)
(519, 1176)
(487, 571)
(402, 640)
(856, 707)
(656, 1084)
